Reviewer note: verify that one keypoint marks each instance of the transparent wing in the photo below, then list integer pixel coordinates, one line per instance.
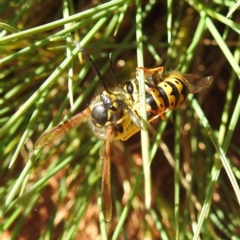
(197, 83)
(106, 179)
(57, 132)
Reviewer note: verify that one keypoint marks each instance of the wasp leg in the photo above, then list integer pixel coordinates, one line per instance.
(158, 114)
(152, 75)
(135, 119)
(151, 70)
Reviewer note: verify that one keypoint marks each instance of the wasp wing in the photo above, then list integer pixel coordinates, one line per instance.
(198, 83)
(106, 179)
(57, 132)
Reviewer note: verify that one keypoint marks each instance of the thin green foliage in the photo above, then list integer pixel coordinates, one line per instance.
(144, 133)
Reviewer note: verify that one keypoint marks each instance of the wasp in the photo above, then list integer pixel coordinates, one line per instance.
(115, 114)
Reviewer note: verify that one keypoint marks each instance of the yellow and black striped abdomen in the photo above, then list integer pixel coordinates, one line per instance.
(168, 95)
(176, 89)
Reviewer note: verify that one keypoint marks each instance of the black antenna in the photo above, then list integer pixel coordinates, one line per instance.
(112, 70)
(93, 64)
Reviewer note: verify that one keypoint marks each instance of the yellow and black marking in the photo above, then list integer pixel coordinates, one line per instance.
(171, 90)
